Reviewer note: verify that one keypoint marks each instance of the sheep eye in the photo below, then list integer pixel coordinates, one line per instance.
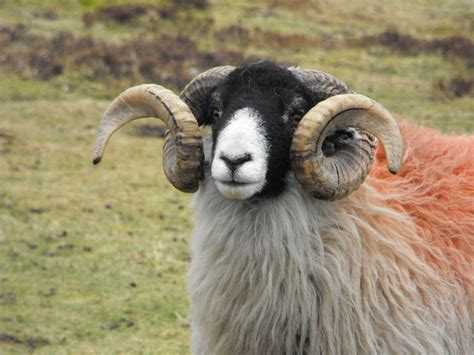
(296, 117)
(216, 114)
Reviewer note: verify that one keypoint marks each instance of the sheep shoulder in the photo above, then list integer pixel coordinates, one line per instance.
(435, 187)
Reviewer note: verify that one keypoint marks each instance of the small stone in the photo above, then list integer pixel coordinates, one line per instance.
(30, 245)
(46, 252)
(112, 326)
(65, 246)
(51, 292)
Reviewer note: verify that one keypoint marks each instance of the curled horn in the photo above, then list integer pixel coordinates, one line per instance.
(321, 84)
(183, 149)
(333, 177)
(196, 93)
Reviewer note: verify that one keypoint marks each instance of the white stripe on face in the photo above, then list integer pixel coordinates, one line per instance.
(242, 138)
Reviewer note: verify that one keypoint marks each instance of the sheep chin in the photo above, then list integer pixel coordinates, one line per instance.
(239, 192)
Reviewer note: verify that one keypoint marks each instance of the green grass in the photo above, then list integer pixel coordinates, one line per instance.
(94, 259)
(88, 233)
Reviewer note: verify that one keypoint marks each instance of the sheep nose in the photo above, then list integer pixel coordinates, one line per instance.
(235, 162)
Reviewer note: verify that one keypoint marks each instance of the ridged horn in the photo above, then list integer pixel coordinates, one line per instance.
(183, 149)
(333, 177)
(196, 93)
(321, 84)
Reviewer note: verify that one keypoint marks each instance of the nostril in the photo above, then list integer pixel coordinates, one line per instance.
(235, 162)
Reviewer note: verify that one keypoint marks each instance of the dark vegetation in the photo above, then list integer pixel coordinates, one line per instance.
(30, 343)
(239, 34)
(450, 47)
(6, 141)
(198, 4)
(119, 13)
(457, 86)
(126, 13)
(157, 56)
(173, 59)
(169, 59)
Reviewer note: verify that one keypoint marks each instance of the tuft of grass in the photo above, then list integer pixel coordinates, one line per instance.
(94, 259)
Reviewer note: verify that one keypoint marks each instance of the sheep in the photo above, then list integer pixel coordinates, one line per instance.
(293, 253)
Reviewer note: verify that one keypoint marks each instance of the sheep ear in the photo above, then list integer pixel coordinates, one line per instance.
(197, 93)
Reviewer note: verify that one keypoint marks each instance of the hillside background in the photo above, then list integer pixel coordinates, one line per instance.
(94, 259)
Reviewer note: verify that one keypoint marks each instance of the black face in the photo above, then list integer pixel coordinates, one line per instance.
(280, 101)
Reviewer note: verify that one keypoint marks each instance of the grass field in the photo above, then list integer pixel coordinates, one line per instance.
(94, 259)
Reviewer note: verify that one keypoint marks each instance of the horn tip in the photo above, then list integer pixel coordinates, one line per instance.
(393, 170)
(96, 160)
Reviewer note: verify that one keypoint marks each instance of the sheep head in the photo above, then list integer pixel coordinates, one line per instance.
(265, 120)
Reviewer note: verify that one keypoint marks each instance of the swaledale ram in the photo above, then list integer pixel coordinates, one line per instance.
(305, 243)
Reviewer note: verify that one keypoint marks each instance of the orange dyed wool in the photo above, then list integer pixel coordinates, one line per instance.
(435, 187)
